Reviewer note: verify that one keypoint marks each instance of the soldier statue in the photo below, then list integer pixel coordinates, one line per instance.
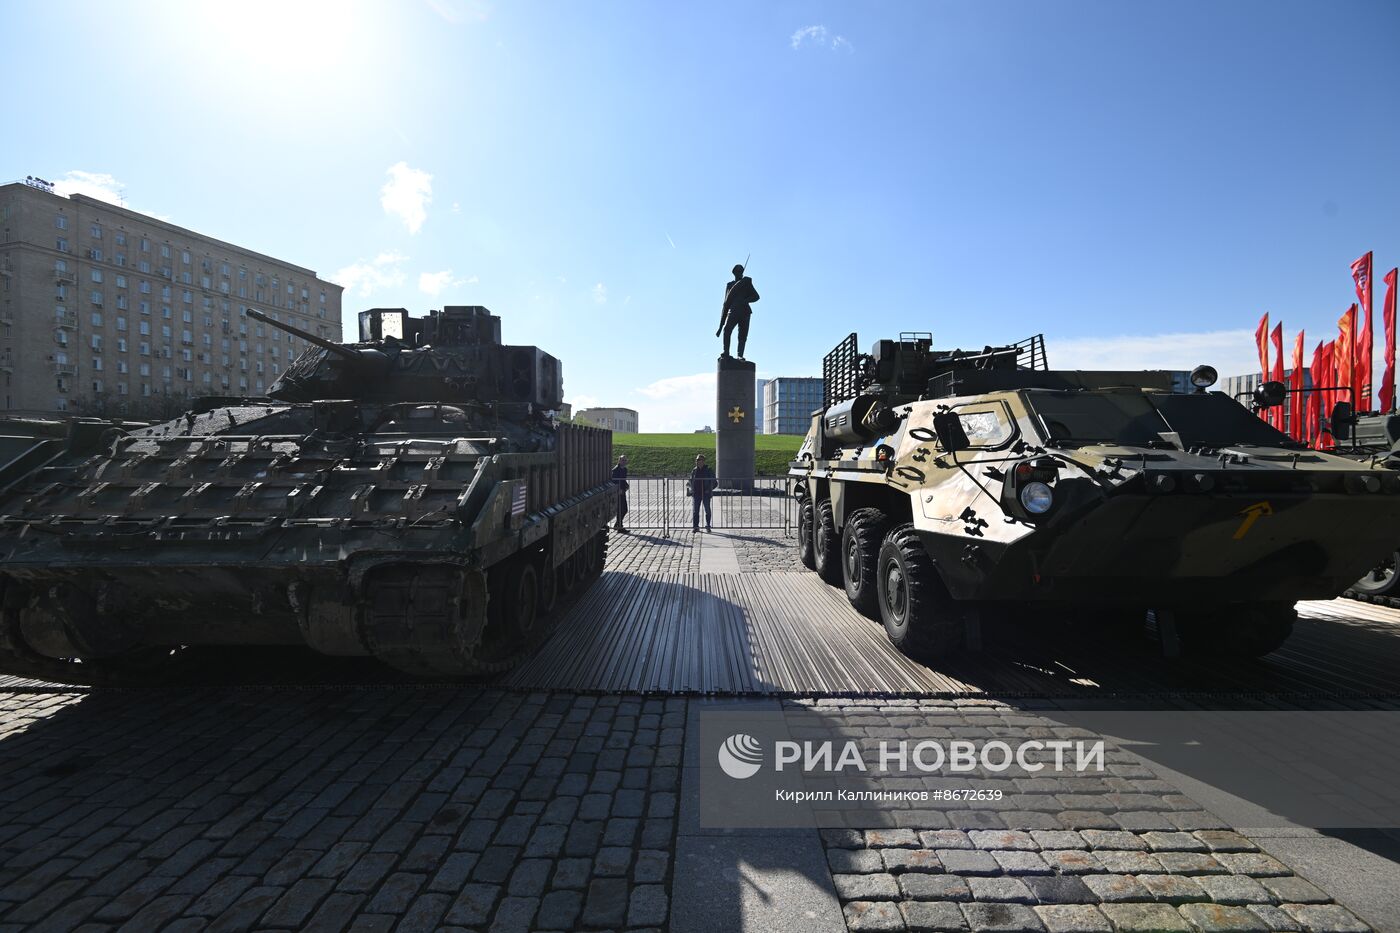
(738, 295)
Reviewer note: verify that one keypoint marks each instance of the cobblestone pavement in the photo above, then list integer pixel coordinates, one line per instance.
(421, 809)
(326, 809)
(1126, 852)
(648, 552)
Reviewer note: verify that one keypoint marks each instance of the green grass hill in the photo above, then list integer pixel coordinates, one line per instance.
(674, 454)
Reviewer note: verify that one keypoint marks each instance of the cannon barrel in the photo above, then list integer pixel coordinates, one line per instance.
(348, 352)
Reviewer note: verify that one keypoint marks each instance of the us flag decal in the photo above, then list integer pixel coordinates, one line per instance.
(517, 500)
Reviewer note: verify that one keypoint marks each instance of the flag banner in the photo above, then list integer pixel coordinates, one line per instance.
(1361, 275)
(1314, 409)
(1296, 426)
(1344, 356)
(1329, 379)
(1276, 413)
(1388, 353)
(1261, 340)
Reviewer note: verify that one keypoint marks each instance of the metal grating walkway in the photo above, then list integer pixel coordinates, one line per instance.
(790, 634)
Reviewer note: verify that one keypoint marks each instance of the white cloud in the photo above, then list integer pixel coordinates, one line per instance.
(407, 194)
(821, 38)
(365, 278)
(98, 185)
(456, 207)
(434, 283)
(677, 403)
(600, 293)
(1231, 352)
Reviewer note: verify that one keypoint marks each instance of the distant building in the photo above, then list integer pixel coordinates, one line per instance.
(758, 398)
(108, 311)
(706, 430)
(1241, 388)
(617, 420)
(566, 411)
(788, 403)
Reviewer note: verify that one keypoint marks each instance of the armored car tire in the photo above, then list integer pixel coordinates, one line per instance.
(861, 540)
(920, 617)
(806, 548)
(1381, 580)
(1249, 630)
(826, 544)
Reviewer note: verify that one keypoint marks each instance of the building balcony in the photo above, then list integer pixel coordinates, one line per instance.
(64, 369)
(64, 278)
(68, 319)
(7, 363)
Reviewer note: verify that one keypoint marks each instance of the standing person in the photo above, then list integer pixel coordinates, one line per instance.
(738, 295)
(619, 477)
(702, 486)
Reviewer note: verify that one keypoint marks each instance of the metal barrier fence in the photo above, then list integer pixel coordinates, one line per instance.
(664, 503)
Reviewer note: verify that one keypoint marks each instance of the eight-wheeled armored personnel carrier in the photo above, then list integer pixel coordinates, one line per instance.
(941, 486)
(407, 497)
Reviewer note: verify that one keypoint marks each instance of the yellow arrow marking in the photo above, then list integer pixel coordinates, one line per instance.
(1251, 515)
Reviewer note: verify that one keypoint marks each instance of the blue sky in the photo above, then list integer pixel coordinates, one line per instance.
(1137, 181)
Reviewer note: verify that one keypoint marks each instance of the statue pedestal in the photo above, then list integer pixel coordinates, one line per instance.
(735, 423)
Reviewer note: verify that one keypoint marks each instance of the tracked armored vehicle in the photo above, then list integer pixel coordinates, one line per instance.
(406, 497)
(941, 488)
(1372, 437)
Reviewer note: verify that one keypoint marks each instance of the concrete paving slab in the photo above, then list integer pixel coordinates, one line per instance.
(771, 884)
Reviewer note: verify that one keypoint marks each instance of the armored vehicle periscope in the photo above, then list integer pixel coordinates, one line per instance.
(943, 487)
(407, 497)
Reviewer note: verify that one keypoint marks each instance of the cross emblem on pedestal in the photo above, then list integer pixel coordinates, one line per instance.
(736, 414)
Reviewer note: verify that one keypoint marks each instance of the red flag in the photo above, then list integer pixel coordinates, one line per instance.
(1328, 377)
(1261, 340)
(1276, 416)
(1361, 275)
(1314, 411)
(1295, 398)
(1344, 355)
(1388, 353)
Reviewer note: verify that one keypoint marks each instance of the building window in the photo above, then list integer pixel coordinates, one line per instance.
(145, 245)
(60, 266)
(121, 348)
(96, 297)
(144, 349)
(144, 266)
(121, 281)
(96, 232)
(122, 367)
(145, 369)
(121, 323)
(97, 342)
(97, 319)
(144, 288)
(61, 245)
(145, 307)
(185, 256)
(61, 222)
(121, 387)
(97, 364)
(119, 259)
(62, 403)
(145, 328)
(120, 239)
(95, 255)
(96, 275)
(165, 251)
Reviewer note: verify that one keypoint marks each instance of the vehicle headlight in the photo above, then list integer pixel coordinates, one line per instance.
(1037, 498)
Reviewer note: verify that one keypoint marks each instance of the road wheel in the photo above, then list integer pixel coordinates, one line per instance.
(1248, 630)
(806, 550)
(920, 618)
(1382, 580)
(860, 551)
(549, 585)
(520, 608)
(827, 544)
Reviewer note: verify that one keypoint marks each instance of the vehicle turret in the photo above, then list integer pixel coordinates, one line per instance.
(451, 355)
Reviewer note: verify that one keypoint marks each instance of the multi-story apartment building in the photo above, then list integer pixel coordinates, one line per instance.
(617, 420)
(109, 311)
(788, 403)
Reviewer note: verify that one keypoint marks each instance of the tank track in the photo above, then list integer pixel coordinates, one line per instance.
(410, 623)
(1392, 601)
